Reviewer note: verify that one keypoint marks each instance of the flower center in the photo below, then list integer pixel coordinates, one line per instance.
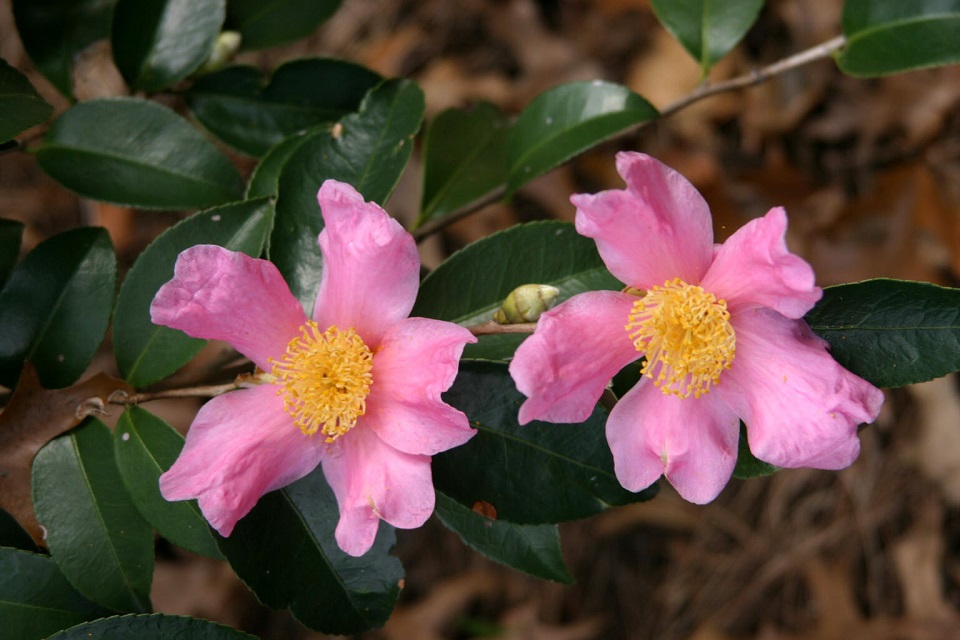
(686, 335)
(326, 378)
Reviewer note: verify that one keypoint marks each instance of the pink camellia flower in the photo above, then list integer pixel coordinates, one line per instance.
(356, 389)
(721, 329)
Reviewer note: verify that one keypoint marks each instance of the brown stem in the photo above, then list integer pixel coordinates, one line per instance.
(819, 52)
(244, 381)
(495, 328)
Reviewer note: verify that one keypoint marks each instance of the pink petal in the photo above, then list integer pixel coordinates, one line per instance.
(693, 441)
(800, 406)
(417, 361)
(754, 268)
(371, 268)
(240, 446)
(372, 480)
(218, 294)
(658, 229)
(577, 348)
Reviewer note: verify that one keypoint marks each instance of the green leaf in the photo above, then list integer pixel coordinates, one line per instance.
(891, 332)
(286, 552)
(35, 599)
(567, 120)
(472, 283)
(13, 535)
(265, 181)
(707, 29)
(369, 151)
(748, 465)
(531, 548)
(235, 106)
(21, 107)
(55, 308)
(11, 233)
(147, 352)
(157, 626)
(157, 43)
(55, 31)
(267, 23)
(145, 447)
(464, 158)
(890, 36)
(137, 153)
(532, 474)
(94, 532)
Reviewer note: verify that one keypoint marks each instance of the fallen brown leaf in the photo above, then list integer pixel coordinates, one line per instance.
(33, 417)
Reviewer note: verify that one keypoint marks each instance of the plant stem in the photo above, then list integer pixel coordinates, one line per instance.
(249, 380)
(818, 52)
(494, 328)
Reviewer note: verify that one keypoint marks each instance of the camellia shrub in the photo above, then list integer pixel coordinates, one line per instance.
(371, 397)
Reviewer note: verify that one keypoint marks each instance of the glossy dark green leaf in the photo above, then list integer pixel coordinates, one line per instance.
(155, 626)
(472, 283)
(95, 534)
(55, 31)
(13, 535)
(267, 23)
(890, 36)
(891, 332)
(748, 466)
(286, 552)
(531, 548)
(145, 447)
(265, 180)
(707, 29)
(157, 43)
(36, 600)
(21, 107)
(11, 233)
(464, 158)
(55, 308)
(567, 120)
(532, 474)
(147, 352)
(237, 108)
(137, 153)
(369, 151)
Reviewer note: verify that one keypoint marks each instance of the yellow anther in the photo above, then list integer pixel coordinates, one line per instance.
(325, 378)
(686, 336)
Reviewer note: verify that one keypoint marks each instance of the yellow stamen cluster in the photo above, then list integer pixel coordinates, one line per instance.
(686, 336)
(325, 378)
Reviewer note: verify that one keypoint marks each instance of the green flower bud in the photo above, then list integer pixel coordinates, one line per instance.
(227, 44)
(525, 304)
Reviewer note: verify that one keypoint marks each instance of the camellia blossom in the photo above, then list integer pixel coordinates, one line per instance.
(356, 389)
(722, 334)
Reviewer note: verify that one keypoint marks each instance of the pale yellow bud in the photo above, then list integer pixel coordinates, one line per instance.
(526, 303)
(227, 44)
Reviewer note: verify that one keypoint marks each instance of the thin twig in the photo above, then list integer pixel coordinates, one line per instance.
(755, 77)
(436, 225)
(495, 328)
(819, 52)
(245, 381)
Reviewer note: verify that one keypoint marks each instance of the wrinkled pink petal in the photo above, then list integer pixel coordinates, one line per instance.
(371, 268)
(692, 441)
(577, 348)
(754, 268)
(417, 361)
(800, 406)
(658, 229)
(240, 446)
(372, 480)
(218, 294)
